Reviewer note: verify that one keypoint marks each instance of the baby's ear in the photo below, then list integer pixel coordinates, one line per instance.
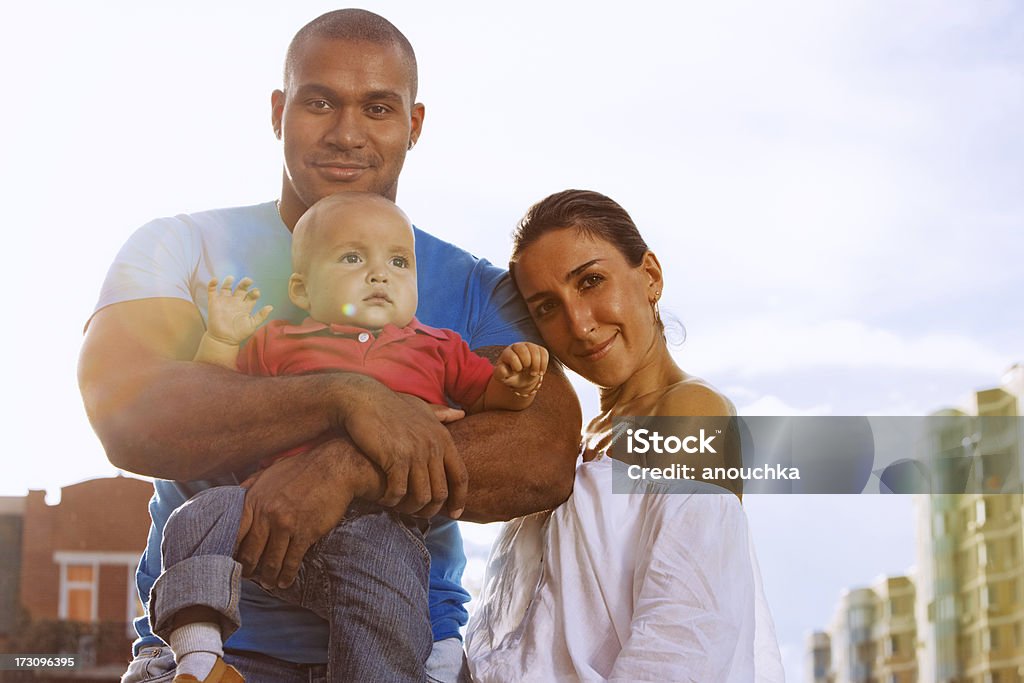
(297, 291)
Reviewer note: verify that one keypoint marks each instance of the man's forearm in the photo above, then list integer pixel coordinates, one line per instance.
(521, 462)
(177, 419)
(196, 421)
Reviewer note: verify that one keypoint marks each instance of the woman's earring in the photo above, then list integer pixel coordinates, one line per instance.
(657, 311)
(412, 143)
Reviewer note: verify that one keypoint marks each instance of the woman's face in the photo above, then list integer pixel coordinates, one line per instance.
(593, 309)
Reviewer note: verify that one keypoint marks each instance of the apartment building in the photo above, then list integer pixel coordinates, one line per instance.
(971, 545)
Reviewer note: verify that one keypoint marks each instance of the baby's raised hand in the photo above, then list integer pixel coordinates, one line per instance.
(521, 368)
(229, 317)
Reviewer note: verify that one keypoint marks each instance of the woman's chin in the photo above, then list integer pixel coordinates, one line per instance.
(604, 374)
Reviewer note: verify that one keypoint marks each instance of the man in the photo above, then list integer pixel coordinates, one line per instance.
(346, 117)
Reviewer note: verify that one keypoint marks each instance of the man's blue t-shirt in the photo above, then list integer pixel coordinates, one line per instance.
(177, 257)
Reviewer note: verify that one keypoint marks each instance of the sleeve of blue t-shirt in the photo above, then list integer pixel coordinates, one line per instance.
(460, 292)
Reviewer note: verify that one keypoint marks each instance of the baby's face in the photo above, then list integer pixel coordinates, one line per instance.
(362, 268)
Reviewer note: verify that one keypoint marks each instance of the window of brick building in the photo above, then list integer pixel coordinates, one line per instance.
(79, 585)
(78, 592)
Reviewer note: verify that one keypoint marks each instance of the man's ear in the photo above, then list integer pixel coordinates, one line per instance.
(297, 291)
(416, 123)
(276, 111)
(655, 280)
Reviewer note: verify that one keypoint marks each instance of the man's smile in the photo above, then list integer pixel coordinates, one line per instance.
(340, 171)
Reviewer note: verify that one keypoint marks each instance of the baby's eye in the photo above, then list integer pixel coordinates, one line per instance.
(350, 257)
(399, 262)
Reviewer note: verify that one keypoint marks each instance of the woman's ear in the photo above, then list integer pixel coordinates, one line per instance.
(297, 291)
(652, 272)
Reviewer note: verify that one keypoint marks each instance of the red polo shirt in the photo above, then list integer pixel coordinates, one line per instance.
(416, 359)
(426, 362)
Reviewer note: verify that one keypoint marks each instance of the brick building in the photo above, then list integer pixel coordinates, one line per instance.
(67, 572)
(11, 511)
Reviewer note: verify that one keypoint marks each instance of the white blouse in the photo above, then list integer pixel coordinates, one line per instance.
(625, 587)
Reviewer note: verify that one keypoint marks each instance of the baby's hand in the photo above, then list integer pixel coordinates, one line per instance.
(521, 368)
(230, 318)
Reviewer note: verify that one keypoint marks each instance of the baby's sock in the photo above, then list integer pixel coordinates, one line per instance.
(197, 647)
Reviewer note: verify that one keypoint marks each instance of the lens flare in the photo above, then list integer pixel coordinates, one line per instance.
(348, 310)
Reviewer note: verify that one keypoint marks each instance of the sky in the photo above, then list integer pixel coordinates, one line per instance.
(834, 190)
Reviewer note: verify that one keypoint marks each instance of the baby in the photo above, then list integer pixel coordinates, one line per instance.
(354, 269)
(354, 262)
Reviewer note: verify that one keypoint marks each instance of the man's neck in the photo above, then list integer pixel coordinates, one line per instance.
(290, 207)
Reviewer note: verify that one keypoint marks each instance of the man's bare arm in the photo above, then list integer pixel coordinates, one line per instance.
(524, 461)
(161, 415)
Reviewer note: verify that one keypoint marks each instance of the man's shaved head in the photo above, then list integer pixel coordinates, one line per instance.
(352, 25)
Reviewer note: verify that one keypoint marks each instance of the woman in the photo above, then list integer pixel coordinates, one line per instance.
(632, 587)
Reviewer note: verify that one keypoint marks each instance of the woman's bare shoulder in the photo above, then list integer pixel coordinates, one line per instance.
(693, 396)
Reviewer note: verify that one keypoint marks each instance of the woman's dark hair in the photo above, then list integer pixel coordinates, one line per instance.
(591, 213)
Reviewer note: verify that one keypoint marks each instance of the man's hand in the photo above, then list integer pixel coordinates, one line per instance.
(230, 319)
(295, 502)
(406, 439)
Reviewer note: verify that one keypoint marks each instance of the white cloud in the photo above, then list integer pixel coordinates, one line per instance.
(775, 406)
(759, 347)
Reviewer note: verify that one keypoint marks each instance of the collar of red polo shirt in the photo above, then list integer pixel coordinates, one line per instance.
(387, 333)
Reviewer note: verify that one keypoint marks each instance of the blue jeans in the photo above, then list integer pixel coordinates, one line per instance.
(368, 578)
